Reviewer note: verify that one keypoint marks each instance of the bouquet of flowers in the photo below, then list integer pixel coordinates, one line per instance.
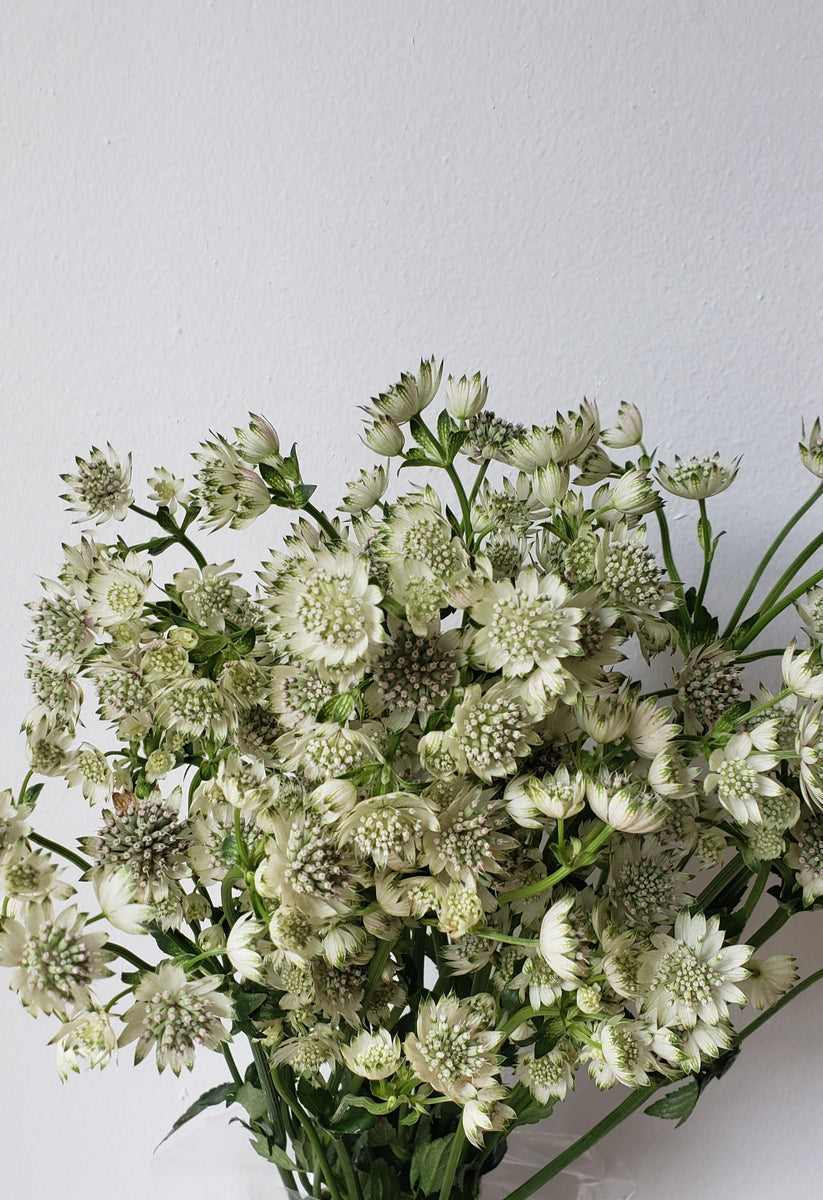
(400, 819)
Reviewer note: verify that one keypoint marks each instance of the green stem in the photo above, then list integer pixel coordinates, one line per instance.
(759, 884)
(668, 557)
(758, 654)
(464, 504)
(127, 955)
(481, 475)
(322, 520)
(767, 557)
(791, 571)
(311, 1133)
(170, 526)
(455, 1153)
(632, 1102)
(494, 935)
(57, 848)
(705, 542)
(264, 1074)
(734, 868)
(588, 852)
(776, 609)
(769, 928)
(24, 785)
(232, 1065)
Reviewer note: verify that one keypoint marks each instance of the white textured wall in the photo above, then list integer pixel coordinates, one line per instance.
(214, 206)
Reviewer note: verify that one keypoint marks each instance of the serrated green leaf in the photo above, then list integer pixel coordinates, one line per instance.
(731, 718)
(303, 492)
(380, 1182)
(222, 1094)
(428, 1163)
(534, 1112)
(677, 1105)
(248, 1003)
(316, 1101)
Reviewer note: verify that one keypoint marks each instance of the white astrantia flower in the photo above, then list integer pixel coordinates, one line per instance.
(384, 437)
(308, 1053)
(414, 674)
(329, 611)
(739, 777)
(543, 985)
(63, 632)
(769, 979)
(556, 795)
(708, 684)
(14, 819)
(117, 590)
(692, 976)
(56, 960)
(798, 674)
(688, 1050)
(811, 449)
(459, 909)
(606, 716)
(148, 837)
(453, 1049)
(230, 492)
(241, 950)
(466, 841)
(548, 1076)
(466, 397)
(564, 442)
(628, 805)
(486, 1114)
(89, 769)
(48, 749)
(193, 708)
(526, 625)
(805, 856)
(210, 595)
(626, 1048)
(176, 1015)
(30, 878)
(372, 1055)
(811, 613)
(365, 491)
(101, 489)
(628, 429)
(116, 893)
(492, 730)
(551, 483)
(559, 945)
(388, 828)
(632, 495)
(411, 395)
(697, 478)
(258, 442)
(167, 491)
(86, 1039)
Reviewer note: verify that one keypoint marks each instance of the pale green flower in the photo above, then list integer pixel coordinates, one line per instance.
(89, 769)
(628, 430)
(330, 612)
(30, 877)
(739, 777)
(146, 836)
(453, 1050)
(811, 450)
(548, 1076)
(86, 1039)
(230, 492)
(56, 960)
(697, 478)
(211, 596)
(769, 979)
(692, 976)
(365, 491)
(559, 945)
(555, 795)
(176, 1015)
(116, 892)
(101, 489)
(167, 491)
(492, 730)
(372, 1055)
(466, 397)
(258, 442)
(526, 625)
(384, 437)
(117, 590)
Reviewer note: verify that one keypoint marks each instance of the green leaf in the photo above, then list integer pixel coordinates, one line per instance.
(316, 1101)
(426, 440)
(253, 1100)
(338, 708)
(303, 492)
(445, 428)
(733, 923)
(732, 717)
(222, 1094)
(418, 458)
(678, 1105)
(534, 1112)
(244, 642)
(31, 793)
(248, 1003)
(267, 1148)
(160, 545)
(428, 1164)
(381, 1182)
